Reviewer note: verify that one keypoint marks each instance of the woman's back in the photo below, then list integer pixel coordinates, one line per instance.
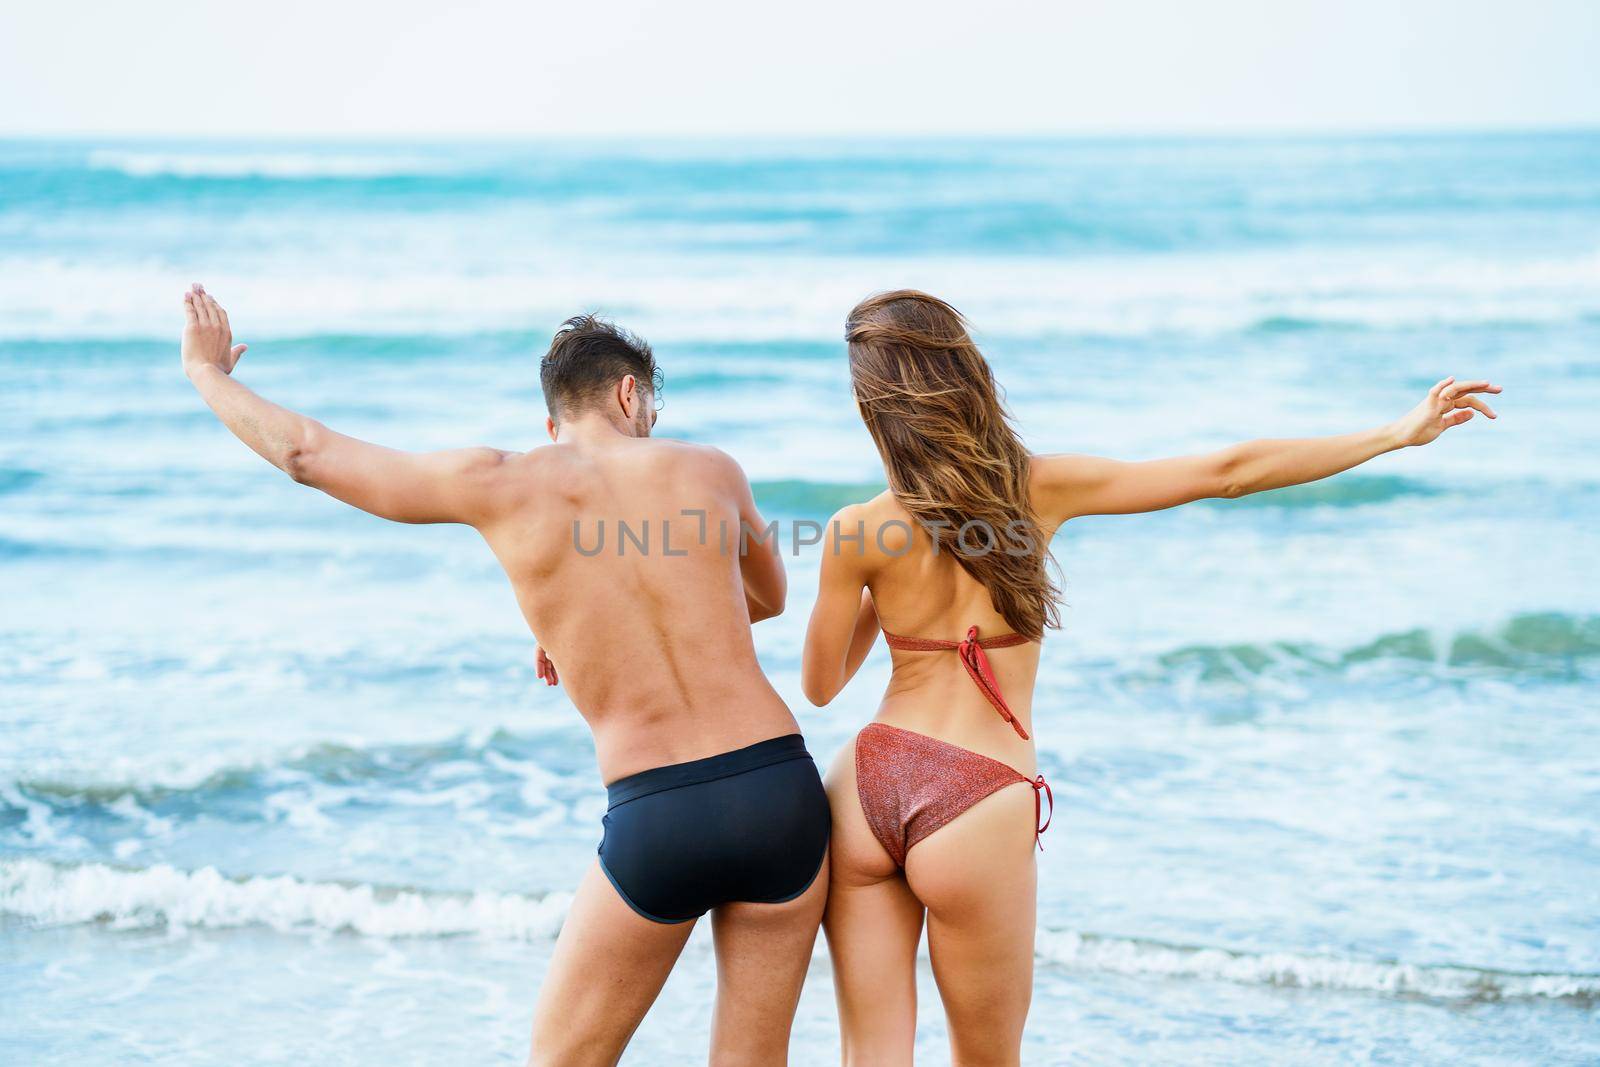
(921, 591)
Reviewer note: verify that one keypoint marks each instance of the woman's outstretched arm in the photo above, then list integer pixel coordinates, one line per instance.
(1065, 486)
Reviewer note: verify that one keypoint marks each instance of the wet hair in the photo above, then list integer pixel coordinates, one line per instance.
(948, 445)
(587, 356)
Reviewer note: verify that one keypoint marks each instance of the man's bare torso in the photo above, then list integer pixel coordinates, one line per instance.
(648, 626)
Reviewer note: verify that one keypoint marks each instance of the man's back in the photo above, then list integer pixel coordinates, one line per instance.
(624, 556)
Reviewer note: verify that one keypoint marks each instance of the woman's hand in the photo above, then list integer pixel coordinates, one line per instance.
(1450, 403)
(543, 667)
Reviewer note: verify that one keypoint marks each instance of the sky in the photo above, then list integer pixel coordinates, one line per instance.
(720, 68)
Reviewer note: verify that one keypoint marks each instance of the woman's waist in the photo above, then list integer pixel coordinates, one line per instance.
(974, 727)
(950, 687)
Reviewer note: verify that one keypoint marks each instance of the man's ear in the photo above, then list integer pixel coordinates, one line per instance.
(550, 427)
(628, 396)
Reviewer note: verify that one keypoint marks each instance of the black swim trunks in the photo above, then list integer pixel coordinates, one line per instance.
(748, 825)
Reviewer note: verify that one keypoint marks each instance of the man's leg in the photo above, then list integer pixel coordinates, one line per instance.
(609, 964)
(763, 951)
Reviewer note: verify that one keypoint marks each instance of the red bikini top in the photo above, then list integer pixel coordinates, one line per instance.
(973, 659)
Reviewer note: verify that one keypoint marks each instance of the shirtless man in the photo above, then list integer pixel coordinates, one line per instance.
(714, 804)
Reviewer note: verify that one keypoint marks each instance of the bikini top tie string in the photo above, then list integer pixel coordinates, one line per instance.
(974, 660)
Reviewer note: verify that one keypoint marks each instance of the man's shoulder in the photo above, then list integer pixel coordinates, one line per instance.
(688, 450)
(654, 456)
(689, 457)
(540, 459)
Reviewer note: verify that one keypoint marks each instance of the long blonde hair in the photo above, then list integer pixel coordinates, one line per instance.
(951, 452)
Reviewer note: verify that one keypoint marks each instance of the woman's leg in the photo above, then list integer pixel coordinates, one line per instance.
(978, 878)
(873, 924)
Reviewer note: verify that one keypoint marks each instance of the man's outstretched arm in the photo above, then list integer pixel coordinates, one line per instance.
(455, 486)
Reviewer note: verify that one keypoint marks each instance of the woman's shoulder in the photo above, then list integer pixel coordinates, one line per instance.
(1058, 481)
(870, 531)
(880, 510)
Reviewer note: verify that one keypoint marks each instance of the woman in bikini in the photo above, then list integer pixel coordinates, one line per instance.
(938, 804)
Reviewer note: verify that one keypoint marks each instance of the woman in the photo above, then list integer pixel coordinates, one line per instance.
(938, 803)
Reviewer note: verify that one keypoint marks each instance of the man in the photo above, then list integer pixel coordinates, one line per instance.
(714, 804)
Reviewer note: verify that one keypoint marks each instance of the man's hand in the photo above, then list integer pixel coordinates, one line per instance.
(207, 339)
(543, 667)
(1449, 403)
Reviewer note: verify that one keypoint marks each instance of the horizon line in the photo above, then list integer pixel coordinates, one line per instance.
(1195, 133)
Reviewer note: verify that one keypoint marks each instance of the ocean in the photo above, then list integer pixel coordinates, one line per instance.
(277, 782)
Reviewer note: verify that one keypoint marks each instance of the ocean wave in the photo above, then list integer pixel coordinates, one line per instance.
(12, 548)
(1138, 957)
(814, 499)
(514, 757)
(164, 897)
(1551, 646)
(811, 499)
(1340, 491)
(276, 165)
(1539, 644)
(703, 300)
(16, 479)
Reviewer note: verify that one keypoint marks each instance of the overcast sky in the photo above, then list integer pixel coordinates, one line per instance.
(472, 68)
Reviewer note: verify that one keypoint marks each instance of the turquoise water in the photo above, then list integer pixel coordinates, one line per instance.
(276, 782)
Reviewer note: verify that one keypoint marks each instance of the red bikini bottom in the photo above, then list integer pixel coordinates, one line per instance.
(911, 784)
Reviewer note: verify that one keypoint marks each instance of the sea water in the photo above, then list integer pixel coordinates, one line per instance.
(277, 781)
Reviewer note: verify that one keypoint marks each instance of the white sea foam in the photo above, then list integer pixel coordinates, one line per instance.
(281, 165)
(164, 896)
(1140, 958)
(48, 297)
